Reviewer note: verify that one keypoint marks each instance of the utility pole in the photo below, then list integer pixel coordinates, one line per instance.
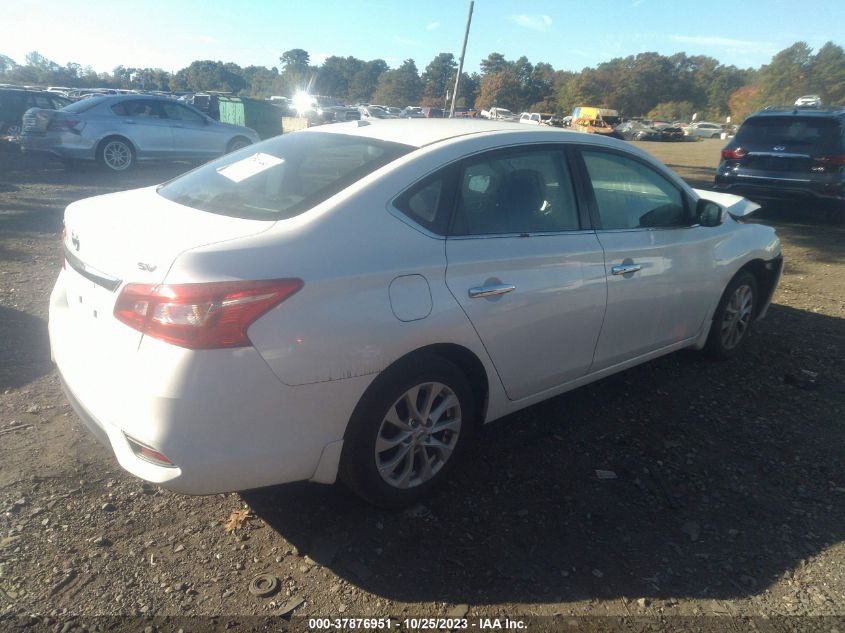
(461, 63)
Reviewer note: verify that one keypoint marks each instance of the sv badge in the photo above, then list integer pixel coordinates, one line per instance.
(146, 267)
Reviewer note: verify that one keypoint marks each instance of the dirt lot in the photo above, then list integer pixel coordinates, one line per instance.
(729, 498)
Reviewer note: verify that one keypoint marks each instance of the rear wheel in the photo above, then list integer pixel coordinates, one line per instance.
(116, 154)
(237, 143)
(733, 317)
(408, 432)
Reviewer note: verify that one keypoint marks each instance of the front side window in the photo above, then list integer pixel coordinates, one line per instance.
(632, 195)
(281, 177)
(519, 191)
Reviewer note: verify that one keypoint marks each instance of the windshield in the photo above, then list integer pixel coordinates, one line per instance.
(283, 176)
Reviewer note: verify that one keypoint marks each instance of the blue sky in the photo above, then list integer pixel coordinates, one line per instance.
(567, 34)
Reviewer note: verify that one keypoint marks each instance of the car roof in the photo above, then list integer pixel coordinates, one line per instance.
(780, 111)
(419, 132)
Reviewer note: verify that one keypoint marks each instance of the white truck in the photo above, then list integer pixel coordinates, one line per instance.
(501, 114)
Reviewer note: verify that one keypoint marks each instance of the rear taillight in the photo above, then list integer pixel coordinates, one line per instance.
(734, 154)
(201, 316)
(831, 159)
(61, 124)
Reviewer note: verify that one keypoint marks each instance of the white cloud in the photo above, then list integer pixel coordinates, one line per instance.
(432, 26)
(534, 22)
(637, 3)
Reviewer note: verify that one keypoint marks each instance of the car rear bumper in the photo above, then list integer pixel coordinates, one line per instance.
(777, 189)
(61, 144)
(221, 416)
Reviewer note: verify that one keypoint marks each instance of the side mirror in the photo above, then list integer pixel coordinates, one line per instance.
(708, 213)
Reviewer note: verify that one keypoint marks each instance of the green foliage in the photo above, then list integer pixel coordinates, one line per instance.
(401, 86)
(438, 77)
(672, 111)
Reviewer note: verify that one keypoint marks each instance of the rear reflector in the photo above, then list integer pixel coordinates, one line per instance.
(201, 316)
(148, 454)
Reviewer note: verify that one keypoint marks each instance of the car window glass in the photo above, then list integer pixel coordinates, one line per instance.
(423, 202)
(42, 101)
(283, 177)
(792, 130)
(631, 195)
(181, 113)
(525, 191)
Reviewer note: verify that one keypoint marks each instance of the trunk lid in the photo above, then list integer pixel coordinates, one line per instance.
(134, 236)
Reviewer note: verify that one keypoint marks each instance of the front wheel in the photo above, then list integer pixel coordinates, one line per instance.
(408, 432)
(733, 317)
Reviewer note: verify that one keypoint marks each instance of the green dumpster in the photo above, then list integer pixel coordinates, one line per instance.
(261, 116)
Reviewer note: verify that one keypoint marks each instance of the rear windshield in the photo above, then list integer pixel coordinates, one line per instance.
(283, 176)
(83, 105)
(790, 130)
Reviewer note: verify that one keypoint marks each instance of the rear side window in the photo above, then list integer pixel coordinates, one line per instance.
(281, 177)
(84, 105)
(427, 203)
(824, 133)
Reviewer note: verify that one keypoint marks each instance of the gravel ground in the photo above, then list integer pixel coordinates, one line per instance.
(728, 497)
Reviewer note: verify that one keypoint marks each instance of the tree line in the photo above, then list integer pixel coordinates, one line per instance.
(666, 87)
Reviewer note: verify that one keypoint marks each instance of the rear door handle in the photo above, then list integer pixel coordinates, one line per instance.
(493, 290)
(623, 269)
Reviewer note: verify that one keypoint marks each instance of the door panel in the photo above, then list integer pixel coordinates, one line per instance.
(531, 282)
(543, 333)
(193, 137)
(659, 267)
(143, 122)
(665, 301)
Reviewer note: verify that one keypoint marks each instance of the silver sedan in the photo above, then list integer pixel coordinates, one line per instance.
(119, 130)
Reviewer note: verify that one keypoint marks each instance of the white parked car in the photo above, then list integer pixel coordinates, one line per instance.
(704, 129)
(356, 299)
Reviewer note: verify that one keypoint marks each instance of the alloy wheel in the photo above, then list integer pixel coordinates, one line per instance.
(737, 316)
(418, 435)
(117, 155)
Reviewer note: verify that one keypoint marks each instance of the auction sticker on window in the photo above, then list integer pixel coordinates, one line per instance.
(249, 166)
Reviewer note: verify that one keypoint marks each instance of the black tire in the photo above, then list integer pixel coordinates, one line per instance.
(115, 153)
(12, 129)
(239, 142)
(714, 135)
(359, 469)
(723, 341)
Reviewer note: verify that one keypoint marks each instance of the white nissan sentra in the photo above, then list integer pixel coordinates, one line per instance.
(354, 300)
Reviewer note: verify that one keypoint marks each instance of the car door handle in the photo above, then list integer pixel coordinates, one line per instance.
(490, 291)
(130, 122)
(623, 269)
(174, 125)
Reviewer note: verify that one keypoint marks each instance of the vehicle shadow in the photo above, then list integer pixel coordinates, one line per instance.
(721, 478)
(25, 346)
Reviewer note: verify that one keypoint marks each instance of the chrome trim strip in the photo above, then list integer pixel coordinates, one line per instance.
(92, 274)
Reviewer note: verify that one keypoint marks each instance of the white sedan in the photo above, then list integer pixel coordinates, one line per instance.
(354, 300)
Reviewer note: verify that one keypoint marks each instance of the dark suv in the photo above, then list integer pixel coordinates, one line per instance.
(15, 101)
(788, 153)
